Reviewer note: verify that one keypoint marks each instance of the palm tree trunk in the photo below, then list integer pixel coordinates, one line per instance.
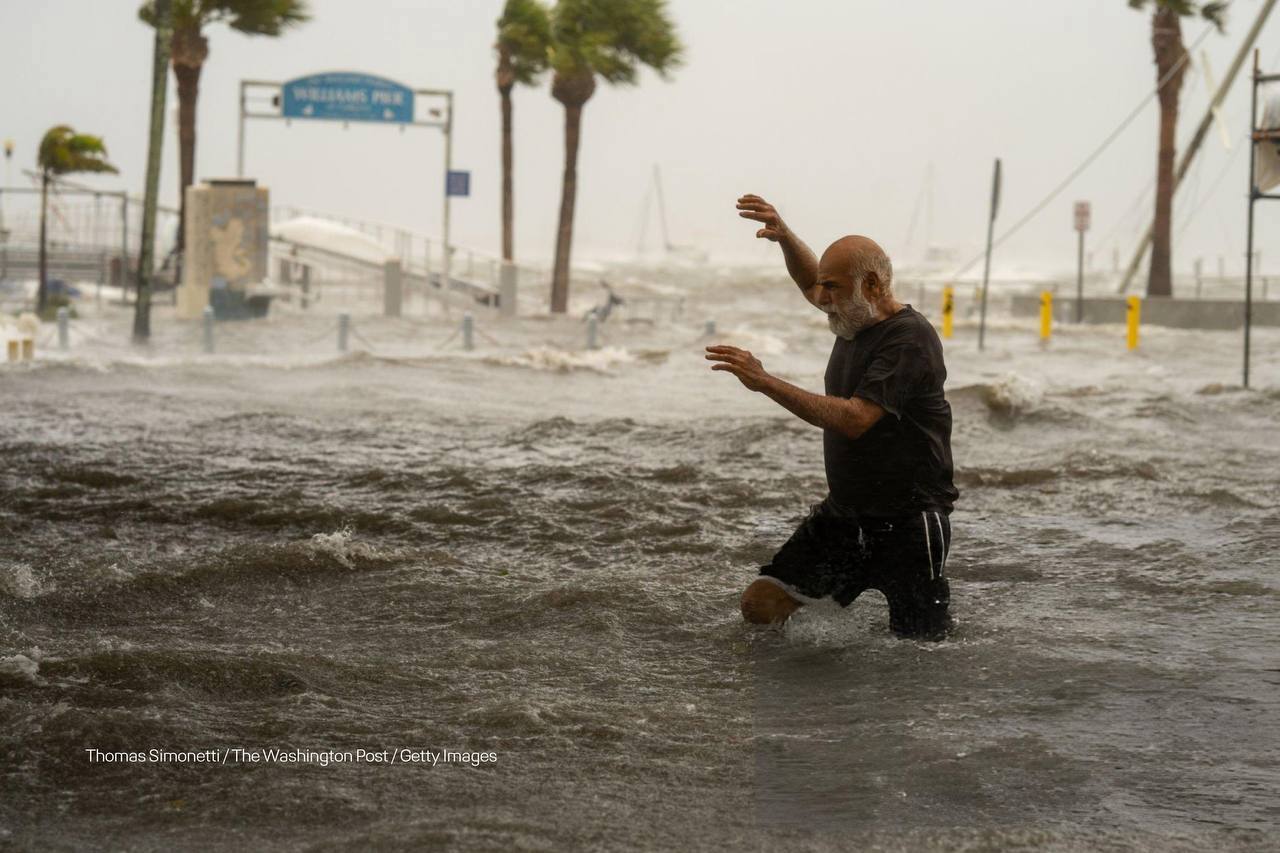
(188, 93)
(508, 202)
(190, 49)
(1166, 39)
(568, 195)
(43, 286)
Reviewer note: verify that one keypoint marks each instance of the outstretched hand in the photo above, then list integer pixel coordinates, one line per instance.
(741, 364)
(753, 207)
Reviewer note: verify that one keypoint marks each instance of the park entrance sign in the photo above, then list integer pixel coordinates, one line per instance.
(347, 97)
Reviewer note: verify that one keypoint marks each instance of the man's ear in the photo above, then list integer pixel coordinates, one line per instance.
(871, 284)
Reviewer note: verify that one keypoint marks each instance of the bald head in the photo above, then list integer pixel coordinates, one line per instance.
(863, 260)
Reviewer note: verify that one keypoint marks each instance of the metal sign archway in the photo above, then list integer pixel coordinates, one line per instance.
(346, 97)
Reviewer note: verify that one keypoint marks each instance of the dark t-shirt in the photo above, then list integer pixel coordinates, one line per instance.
(902, 464)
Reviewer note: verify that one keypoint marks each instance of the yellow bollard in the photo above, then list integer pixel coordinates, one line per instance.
(28, 349)
(14, 351)
(1046, 316)
(1133, 315)
(948, 309)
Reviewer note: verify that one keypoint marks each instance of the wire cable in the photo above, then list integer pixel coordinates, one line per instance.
(448, 340)
(362, 339)
(1088, 161)
(326, 333)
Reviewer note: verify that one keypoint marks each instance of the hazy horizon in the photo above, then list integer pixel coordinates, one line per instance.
(833, 111)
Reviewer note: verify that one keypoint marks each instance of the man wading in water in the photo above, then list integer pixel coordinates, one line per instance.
(886, 441)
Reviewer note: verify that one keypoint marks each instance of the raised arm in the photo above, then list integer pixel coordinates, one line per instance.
(802, 264)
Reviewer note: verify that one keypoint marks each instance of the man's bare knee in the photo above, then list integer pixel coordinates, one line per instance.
(766, 603)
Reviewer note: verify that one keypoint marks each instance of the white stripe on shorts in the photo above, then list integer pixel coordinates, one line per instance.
(924, 517)
(946, 546)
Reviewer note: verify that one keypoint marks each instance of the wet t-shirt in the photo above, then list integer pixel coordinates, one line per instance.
(902, 464)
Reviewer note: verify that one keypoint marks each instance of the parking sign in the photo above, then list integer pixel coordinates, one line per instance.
(1082, 216)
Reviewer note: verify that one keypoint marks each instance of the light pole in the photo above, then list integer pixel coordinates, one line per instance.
(8, 165)
(986, 269)
(1082, 225)
(146, 250)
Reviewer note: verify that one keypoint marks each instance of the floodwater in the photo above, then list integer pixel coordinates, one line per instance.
(531, 556)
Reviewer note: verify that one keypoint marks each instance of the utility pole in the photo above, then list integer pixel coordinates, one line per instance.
(986, 268)
(146, 252)
(1194, 145)
(8, 160)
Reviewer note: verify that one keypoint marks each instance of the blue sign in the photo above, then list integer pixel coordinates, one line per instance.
(458, 184)
(347, 97)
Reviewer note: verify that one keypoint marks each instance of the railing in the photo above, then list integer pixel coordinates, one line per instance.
(419, 252)
(420, 256)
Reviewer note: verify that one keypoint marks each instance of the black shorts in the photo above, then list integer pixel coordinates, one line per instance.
(838, 555)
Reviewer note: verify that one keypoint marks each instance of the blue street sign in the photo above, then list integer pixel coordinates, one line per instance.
(344, 96)
(458, 184)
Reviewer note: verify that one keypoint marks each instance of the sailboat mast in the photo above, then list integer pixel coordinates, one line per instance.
(662, 207)
(928, 209)
(644, 222)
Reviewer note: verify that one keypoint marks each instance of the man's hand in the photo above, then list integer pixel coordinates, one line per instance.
(802, 264)
(849, 416)
(741, 364)
(754, 207)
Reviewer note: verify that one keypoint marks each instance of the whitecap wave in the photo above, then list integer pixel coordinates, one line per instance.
(20, 667)
(757, 342)
(565, 361)
(1013, 394)
(17, 580)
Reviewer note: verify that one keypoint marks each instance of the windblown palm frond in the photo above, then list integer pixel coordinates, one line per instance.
(1214, 12)
(252, 17)
(524, 39)
(613, 38)
(63, 151)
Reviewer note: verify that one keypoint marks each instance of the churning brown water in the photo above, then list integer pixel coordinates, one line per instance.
(536, 553)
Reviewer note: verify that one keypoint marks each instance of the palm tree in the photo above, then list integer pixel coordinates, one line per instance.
(62, 152)
(189, 49)
(611, 39)
(524, 37)
(1170, 53)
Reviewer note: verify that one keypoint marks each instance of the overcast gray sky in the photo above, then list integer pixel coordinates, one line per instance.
(833, 109)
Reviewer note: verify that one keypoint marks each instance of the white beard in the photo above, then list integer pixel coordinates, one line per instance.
(850, 316)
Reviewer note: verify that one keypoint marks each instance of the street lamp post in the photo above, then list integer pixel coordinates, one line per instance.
(8, 165)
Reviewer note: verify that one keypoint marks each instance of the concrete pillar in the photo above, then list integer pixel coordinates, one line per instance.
(64, 318)
(344, 328)
(593, 331)
(225, 239)
(468, 329)
(392, 288)
(508, 284)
